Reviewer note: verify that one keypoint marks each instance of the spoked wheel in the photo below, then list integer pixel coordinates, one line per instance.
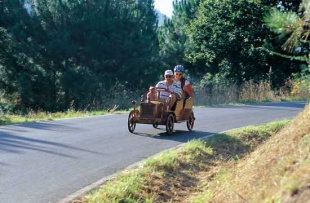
(170, 124)
(190, 122)
(155, 125)
(131, 125)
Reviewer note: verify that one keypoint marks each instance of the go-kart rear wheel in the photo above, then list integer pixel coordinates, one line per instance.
(155, 125)
(190, 122)
(170, 124)
(131, 125)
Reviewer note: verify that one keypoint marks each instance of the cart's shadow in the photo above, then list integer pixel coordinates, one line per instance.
(177, 135)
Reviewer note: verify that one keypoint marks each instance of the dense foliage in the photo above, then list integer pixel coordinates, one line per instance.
(173, 40)
(58, 52)
(226, 38)
(62, 54)
(294, 28)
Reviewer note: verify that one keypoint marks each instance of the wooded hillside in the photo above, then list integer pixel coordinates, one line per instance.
(62, 54)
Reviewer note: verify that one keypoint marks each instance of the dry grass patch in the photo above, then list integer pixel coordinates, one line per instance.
(277, 171)
(168, 177)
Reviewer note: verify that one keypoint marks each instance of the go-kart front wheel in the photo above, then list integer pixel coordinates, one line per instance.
(131, 125)
(155, 125)
(170, 124)
(190, 122)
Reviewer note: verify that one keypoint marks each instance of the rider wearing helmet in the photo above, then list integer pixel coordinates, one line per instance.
(185, 85)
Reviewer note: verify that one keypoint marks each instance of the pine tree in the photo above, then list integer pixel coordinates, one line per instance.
(172, 37)
(64, 54)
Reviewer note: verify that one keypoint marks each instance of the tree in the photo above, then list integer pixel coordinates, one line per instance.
(172, 37)
(63, 52)
(19, 74)
(226, 38)
(293, 27)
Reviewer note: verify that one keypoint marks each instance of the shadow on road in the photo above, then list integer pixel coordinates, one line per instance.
(11, 143)
(178, 135)
(39, 126)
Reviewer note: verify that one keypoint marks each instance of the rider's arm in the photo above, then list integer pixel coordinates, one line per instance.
(188, 89)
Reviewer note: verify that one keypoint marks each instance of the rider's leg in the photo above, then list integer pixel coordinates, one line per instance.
(172, 100)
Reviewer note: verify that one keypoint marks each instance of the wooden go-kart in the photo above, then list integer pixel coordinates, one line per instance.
(157, 113)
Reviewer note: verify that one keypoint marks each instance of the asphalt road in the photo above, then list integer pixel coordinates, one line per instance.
(47, 161)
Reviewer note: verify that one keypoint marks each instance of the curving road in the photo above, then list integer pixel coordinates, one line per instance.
(47, 161)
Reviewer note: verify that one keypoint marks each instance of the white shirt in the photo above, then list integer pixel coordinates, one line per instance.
(174, 87)
(186, 83)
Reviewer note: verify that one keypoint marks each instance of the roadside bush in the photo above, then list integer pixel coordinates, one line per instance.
(119, 97)
(212, 90)
(301, 85)
(256, 92)
(215, 90)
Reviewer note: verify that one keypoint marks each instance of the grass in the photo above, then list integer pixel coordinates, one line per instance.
(276, 171)
(251, 92)
(8, 119)
(266, 163)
